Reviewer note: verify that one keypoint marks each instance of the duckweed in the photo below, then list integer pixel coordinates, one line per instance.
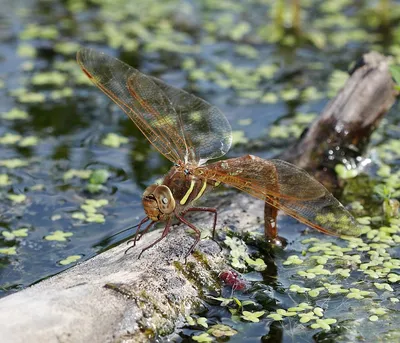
(220, 330)
(15, 114)
(17, 198)
(8, 251)
(58, 235)
(114, 140)
(13, 163)
(202, 338)
(70, 259)
(252, 316)
(4, 180)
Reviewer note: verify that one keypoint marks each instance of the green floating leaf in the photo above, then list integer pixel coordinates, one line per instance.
(66, 48)
(204, 337)
(245, 122)
(190, 320)
(58, 235)
(220, 330)
(252, 316)
(8, 251)
(58, 94)
(95, 188)
(307, 317)
(319, 311)
(275, 316)
(202, 321)
(99, 176)
(15, 114)
(31, 97)
(9, 139)
(4, 180)
(285, 313)
(95, 218)
(224, 301)
(78, 215)
(96, 203)
(322, 323)
(114, 140)
(258, 264)
(49, 78)
(345, 173)
(13, 163)
(70, 259)
(8, 235)
(293, 259)
(238, 137)
(82, 174)
(17, 198)
(26, 50)
(380, 311)
(28, 141)
(22, 232)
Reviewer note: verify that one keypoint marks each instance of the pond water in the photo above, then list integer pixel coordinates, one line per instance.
(73, 166)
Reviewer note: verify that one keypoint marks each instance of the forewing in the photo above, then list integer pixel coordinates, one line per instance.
(286, 187)
(163, 113)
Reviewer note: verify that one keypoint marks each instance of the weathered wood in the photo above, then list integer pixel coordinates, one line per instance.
(343, 129)
(115, 297)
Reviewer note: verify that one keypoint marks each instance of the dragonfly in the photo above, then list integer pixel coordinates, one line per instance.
(189, 132)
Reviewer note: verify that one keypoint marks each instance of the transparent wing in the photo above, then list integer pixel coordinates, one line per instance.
(178, 124)
(285, 187)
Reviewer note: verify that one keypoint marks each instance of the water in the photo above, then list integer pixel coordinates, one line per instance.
(225, 54)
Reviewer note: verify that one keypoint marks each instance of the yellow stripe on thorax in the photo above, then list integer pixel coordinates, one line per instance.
(203, 188)
(189, 191)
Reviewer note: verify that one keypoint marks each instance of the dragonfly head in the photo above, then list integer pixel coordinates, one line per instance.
(158, 202)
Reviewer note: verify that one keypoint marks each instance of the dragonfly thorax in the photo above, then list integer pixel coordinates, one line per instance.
(158, 202)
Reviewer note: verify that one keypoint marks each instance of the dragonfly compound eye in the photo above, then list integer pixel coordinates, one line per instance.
(165, 199)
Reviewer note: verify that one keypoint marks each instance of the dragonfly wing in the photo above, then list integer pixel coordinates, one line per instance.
(174, 121)
(285, 187)
(205, 128)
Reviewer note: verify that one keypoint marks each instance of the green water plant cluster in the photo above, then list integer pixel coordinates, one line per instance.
(90, 211)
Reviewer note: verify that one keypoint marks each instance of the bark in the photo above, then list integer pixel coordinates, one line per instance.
(115, 297)
(342, 131)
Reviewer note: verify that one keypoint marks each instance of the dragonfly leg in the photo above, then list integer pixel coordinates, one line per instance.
(164, 233)
(270, 214)
(195, 229)
(270, 226)
(206, 209)
(139, 237)
(144, 220)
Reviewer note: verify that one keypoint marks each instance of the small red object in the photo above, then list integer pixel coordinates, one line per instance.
(232, 279)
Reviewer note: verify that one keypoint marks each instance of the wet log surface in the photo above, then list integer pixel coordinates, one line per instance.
(341, 133)
(116, 297)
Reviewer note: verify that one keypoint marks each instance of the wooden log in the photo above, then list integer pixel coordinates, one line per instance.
(116, 297)
(342, 131)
